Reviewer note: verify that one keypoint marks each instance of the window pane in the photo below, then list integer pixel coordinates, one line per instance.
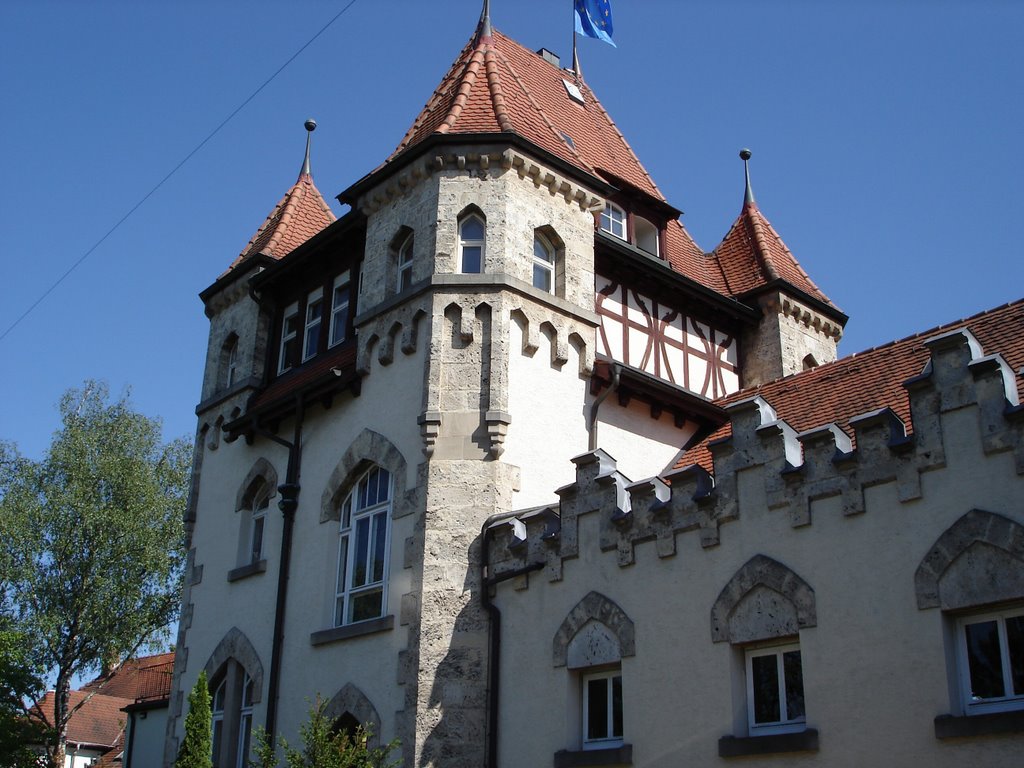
(597, 708)
(405, 277)
(765, 681)
(367, 605)
(247, 692)
(617, 706)
(245, 732)
(471, 259)
(472, 229)
(1015, 641)
(542, 277)
(794, 676)
(384, 485)
(339, 612)
(540, 251)
(257, 537)
(380, 538)
(346, 512)
(218, 699)
(984, 660)
(342, 564)
(218, 736)
(362, 547)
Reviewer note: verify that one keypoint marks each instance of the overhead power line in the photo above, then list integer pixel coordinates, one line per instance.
(78, 262)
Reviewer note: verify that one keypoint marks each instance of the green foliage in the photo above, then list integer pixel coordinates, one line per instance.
(20, 681)
(324, 747)
(197, 746)
(91, 540)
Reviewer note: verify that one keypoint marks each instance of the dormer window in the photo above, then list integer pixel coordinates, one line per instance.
(289, 338)
(339, 307)
(646, 235)
(314, 320)
(543, 264)
(405, 264)
(471, 244)
(613, 220)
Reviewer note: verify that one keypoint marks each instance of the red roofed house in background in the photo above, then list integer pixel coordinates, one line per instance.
(136, 691)
(505, 466)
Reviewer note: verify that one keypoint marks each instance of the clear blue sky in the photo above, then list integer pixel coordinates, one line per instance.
(886, 140)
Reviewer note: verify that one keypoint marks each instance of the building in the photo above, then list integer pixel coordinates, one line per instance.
(121, 713)
(560, 488)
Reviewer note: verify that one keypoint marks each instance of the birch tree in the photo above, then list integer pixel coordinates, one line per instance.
(91, 543)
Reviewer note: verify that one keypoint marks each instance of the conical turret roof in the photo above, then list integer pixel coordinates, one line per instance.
(498, 86)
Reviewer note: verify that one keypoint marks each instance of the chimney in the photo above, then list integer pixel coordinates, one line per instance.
(551, 58)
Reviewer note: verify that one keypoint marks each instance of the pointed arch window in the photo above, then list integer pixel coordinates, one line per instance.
(472, 233)
(543, 263)
(230, 358)
(231, 715)
(363, 549)
(260, 504)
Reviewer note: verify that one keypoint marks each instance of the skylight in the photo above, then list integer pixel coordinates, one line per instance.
(568, 140)
(574, 91)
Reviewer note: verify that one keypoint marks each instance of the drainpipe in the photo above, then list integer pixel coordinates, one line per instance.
(289, 502)
(494, 635)
(616, 371)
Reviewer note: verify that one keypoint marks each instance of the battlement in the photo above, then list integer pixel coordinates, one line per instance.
(797, 468)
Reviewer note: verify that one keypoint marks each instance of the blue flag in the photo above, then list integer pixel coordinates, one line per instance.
(594, 19)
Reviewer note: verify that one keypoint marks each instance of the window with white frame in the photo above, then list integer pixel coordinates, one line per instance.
(240, 740)
(990, 660)
(363, 549)
(646, 235)
(314, 320)
(404, 261)
(613, 220)
(775, 690)
(217, 710)
(543, 263)
(289, 338)
(602, 709)
(340, 300)
(245, 724)
(260, 504)
(471, 244)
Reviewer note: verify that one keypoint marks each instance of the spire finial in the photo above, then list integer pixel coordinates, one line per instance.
(310, 127)
(748, 193)
(485, 22)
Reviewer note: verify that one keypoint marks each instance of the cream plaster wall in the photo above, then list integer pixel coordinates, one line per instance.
(642, 446)
(874, 667)
(389, 404)
(146, 732)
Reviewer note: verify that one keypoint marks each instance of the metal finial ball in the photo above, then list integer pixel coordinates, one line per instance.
(311, 125)
(745, 154)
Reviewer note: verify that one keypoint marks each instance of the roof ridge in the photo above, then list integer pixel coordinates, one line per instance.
(752, 214)
(467, 81)
(788, 252)
(495, 89)
(292, 198)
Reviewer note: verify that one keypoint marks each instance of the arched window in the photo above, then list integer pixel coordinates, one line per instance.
(259, 505)
(363, 549)
(232, 718)
(645, 234)
(404, 263)
(229, 361)
(613, 220)
(471, 244)
(543, 263)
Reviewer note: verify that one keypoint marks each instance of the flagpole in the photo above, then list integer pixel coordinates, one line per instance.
(575, 57)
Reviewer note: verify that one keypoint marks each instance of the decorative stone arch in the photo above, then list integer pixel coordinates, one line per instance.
(236, 645)
(471, 210)
(352, 701)
(604, 625)
(978, 560)
(763, 600)
(367, 449)
(262, 471)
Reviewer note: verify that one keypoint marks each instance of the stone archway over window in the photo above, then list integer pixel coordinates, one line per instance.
(367, 449)
(353, 702)
(978, 560)
(605, 625)
(763, 600)
(235, 645)
(261, 470)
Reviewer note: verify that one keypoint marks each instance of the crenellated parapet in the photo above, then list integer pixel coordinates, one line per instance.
(791, 470)
(401, 327)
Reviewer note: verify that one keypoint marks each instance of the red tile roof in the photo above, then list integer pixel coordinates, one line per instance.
(752, 254)
(145, 678)
(870, 380)
(99, 723)
(300, 214)
(498, 86)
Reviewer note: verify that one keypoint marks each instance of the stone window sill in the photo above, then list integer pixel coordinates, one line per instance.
(244, 571)
(348, 631)
(586, 757)
(776, 743)
(956, 727)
